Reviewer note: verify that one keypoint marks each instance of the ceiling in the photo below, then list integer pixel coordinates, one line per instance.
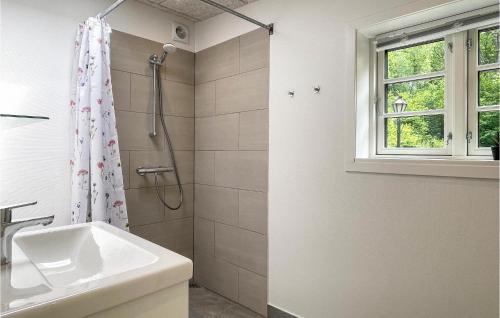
(194, 10)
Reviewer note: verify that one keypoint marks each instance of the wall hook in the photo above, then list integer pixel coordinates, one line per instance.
(316, 89)
(291, 93)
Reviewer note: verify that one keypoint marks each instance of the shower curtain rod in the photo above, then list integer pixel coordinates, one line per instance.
(269, 27)
(110, 8)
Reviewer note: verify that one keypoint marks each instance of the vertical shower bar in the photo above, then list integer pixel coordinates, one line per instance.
(155, 88)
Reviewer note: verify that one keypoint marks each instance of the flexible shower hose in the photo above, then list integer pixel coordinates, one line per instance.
(170, 149)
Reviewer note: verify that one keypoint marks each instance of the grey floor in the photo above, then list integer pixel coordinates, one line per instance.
(206, 304)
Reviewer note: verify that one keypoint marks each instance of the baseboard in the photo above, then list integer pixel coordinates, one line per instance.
(273, 312)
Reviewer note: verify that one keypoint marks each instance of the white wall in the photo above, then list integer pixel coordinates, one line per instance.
(358, 245)
(37, 48)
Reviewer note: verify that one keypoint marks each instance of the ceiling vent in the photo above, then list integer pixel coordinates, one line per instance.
(180, 33)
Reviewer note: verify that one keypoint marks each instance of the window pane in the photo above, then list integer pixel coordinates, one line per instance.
(415, 132)
(415, 60)
(488, 128)
(488, 46)
(420, 95)
(489, 88)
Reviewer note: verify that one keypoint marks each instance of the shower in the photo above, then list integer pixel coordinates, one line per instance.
(156, 62)
(167, 49)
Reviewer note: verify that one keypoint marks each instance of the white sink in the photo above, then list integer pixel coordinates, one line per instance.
(82, 270)
(80, 254)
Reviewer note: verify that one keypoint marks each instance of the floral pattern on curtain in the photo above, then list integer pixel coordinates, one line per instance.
(97, 192)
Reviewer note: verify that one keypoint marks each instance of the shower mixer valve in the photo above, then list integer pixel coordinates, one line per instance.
(142, 171)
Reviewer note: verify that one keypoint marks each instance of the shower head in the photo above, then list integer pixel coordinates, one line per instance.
(167, 49)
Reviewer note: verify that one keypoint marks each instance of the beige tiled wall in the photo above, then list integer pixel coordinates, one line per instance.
(132, 86)
(219, 130)
(231, 168)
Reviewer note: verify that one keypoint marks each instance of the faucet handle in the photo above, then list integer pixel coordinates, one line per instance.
(6, 211)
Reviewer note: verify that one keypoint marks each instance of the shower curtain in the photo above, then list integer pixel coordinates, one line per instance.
(97, 192)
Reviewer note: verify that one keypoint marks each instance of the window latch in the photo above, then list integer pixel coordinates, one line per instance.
(449, 137)
(469, 137)
(468, 44)
(376, 102)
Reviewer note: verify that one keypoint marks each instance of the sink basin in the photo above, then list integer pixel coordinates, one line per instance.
(92, 270)
(79, 254)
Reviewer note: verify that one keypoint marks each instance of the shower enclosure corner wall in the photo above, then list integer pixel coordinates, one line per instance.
(133, 76)
(222, 222)
(231, 129)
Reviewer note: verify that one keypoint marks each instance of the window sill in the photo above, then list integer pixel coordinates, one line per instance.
(464, 168)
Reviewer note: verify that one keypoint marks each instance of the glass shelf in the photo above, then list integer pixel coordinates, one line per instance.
(8, 121)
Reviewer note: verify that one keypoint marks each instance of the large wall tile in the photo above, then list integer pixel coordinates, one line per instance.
(217, 133)
(205, 99)
(125, 162)
(216, 203)
(133, 132)
(181, 130)
(254, 50)
(175, 235)
(143, 206)
(217, 62)
(241, 247)
(179, 67)
(141, 96)
(252, 291)
(204, 237)
(185, 166)
(172, 197)
(247, 91)
(189, 253)
(121, 89)
(178, 99)
(204, 168)
(241, 169)
(253, 211)
(217, 275)
(254, 130)
(131, 53)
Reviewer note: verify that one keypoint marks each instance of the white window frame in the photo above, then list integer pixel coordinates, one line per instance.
(461, 102)
(382, 115)
(473, 91)
(360, 118)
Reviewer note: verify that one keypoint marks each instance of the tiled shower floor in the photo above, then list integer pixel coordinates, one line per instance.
(206, 304)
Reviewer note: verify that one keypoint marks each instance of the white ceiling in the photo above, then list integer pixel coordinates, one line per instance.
(194, 10)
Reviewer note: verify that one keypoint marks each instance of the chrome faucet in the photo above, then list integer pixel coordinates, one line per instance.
(9, 228)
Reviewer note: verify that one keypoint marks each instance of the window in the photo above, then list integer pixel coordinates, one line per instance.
(413, 77)
(427, 95)
(484, 88)
(424, 102)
